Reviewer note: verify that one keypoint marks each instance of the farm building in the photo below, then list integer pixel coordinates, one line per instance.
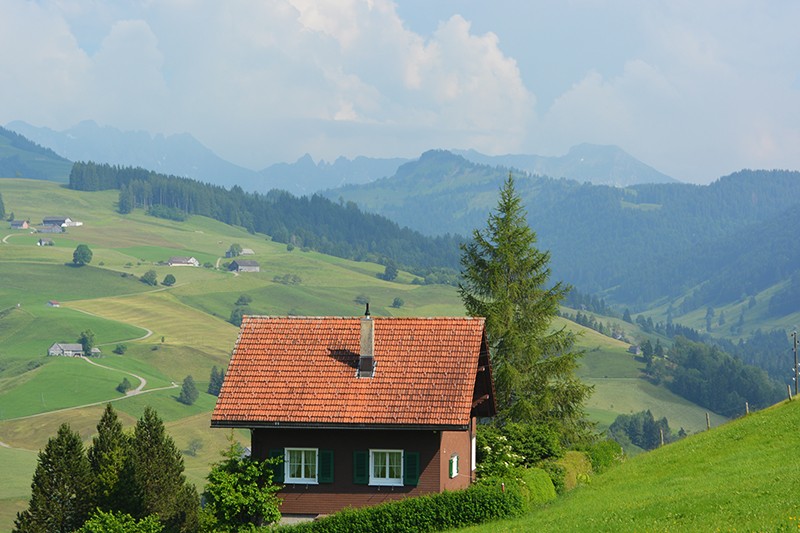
(183, 261)
(244, 265)
(50, 228)
(19, 224)
(45, 242)
(362, 410)
(69, 349)
(56, 221)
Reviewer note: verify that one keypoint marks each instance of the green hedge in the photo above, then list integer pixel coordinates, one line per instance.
(434, 512)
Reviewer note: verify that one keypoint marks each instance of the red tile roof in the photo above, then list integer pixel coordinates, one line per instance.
(303, 371)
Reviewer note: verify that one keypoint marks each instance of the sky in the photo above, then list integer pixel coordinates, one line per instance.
(695, 89)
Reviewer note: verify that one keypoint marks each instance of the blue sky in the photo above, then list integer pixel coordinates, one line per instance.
(695, 89)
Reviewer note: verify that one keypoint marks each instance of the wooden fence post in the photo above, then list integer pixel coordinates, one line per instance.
(708, 421)
(746, 408)
(789, 389)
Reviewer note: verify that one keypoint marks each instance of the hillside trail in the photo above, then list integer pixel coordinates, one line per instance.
(137, 390)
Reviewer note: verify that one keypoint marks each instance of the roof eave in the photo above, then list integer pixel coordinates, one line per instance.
(251, 424)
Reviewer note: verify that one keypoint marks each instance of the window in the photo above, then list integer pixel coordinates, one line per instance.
(453, 465)
(386, 467)
(301, 465)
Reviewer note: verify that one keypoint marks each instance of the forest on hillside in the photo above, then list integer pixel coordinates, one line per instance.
(316, 223)
(635, 245)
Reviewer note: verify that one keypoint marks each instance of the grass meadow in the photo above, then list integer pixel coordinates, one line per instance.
(741, 476)
(183, 330)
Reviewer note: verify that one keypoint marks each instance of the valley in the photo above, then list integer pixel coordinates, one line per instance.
(172, 332)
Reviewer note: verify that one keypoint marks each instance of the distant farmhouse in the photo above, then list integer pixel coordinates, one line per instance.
(19, 224)
(245, 251)
(49, 228)
(183, 261)
(64, 222)
(244, 265)
(53, 303)
(45, 242)
(69, 350)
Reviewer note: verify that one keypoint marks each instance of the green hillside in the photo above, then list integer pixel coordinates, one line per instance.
(171, 332)
(739, 477)
(21, 157)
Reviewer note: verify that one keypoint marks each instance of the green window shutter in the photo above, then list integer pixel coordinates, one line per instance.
(325, 466)
(360, 467)
(278, 469)
(411, 468)
(453, 466)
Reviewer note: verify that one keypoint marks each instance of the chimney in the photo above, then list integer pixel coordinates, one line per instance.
(366, 359)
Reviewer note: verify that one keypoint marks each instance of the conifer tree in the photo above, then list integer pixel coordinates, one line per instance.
(60, 489)
(189, 392)
(215, 381)
(2, 207)
(504, 278)
(155, 480)
(107, 456)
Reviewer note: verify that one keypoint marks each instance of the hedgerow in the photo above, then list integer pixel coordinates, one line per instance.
(434, 512)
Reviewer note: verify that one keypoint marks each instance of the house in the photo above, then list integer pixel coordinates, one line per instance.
(362, 410)
(50, 228)
(244, 251)
(56, 221)
(45, 242)
(183, 261)
(53, 303)
(69, 349)
(19, 224)
(244, 265)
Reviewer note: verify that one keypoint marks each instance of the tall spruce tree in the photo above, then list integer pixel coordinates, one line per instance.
(2, 207)
(154, 477)
(107, 456)
(60, 489)
(504, 278)
(215, 381)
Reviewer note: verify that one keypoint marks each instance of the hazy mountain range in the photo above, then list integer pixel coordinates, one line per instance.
(183, 155)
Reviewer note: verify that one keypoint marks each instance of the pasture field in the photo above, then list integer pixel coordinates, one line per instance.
(620, 387)
(63, 382)
(741, 476)
(18, 467)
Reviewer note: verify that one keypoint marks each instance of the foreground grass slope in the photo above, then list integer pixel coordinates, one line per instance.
(741, 476)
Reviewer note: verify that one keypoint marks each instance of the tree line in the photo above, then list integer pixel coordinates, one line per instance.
(338, 229)
(134, 482)
(138, 475)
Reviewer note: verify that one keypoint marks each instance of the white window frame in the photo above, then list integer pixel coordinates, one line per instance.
(287, 478)
(385, 481)
(474, 451)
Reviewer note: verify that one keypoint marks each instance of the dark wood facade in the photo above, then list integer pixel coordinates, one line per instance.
(436, 448)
